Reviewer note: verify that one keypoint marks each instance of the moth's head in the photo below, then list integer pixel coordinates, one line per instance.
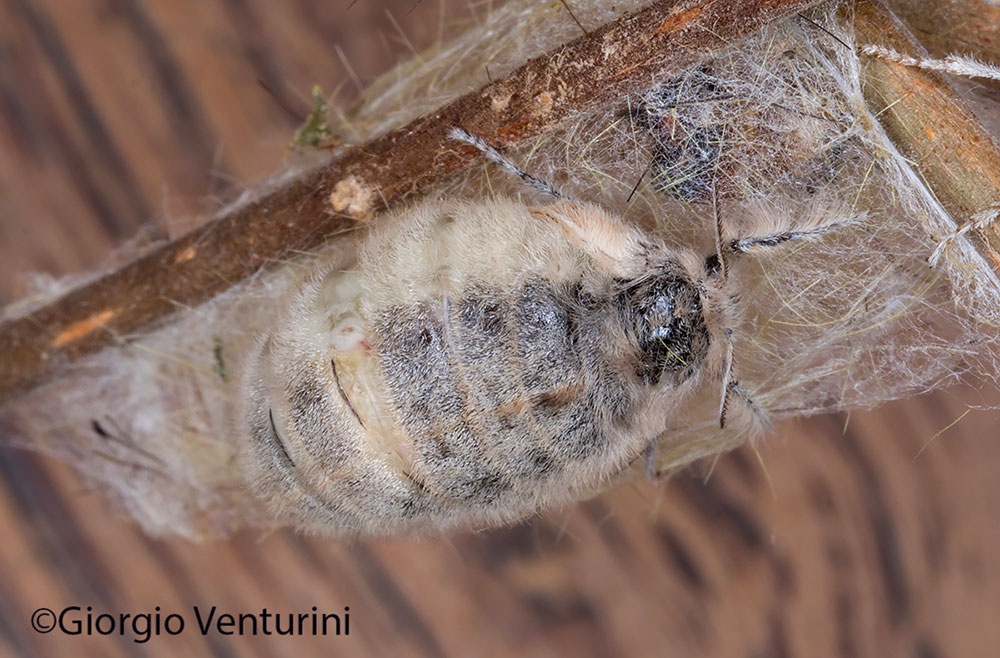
(662, 312)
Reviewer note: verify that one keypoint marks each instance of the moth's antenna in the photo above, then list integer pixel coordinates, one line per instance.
(719, 251)
(746, 245)
(490, 152)
(727, 379)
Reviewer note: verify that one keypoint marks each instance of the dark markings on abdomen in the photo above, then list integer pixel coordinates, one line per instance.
(500, 393)
(430, 402)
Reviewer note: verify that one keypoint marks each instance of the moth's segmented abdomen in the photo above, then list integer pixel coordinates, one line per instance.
(468, 372)
(491, 388)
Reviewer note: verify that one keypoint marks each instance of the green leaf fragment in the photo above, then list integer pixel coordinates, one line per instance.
(315, 132)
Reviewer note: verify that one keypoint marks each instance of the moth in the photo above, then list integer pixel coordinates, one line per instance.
(488, 360)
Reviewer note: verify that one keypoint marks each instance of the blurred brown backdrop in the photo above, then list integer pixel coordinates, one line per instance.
(115, 115)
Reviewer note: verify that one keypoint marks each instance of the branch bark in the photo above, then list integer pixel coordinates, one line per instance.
(953, 26)
(617, 59)
(955, 155)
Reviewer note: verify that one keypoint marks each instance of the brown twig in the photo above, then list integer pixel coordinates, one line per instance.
(616, 59)
(954, 154)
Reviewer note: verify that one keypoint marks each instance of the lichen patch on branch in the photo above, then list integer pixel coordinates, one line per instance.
(351, 196)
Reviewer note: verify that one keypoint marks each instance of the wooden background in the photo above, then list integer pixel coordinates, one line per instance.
(116, 115)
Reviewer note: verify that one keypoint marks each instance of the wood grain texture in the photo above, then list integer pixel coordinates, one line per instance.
(114, 114)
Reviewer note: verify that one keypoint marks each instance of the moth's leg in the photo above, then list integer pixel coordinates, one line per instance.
(618, 248)
(650, 456)
(742, 412)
